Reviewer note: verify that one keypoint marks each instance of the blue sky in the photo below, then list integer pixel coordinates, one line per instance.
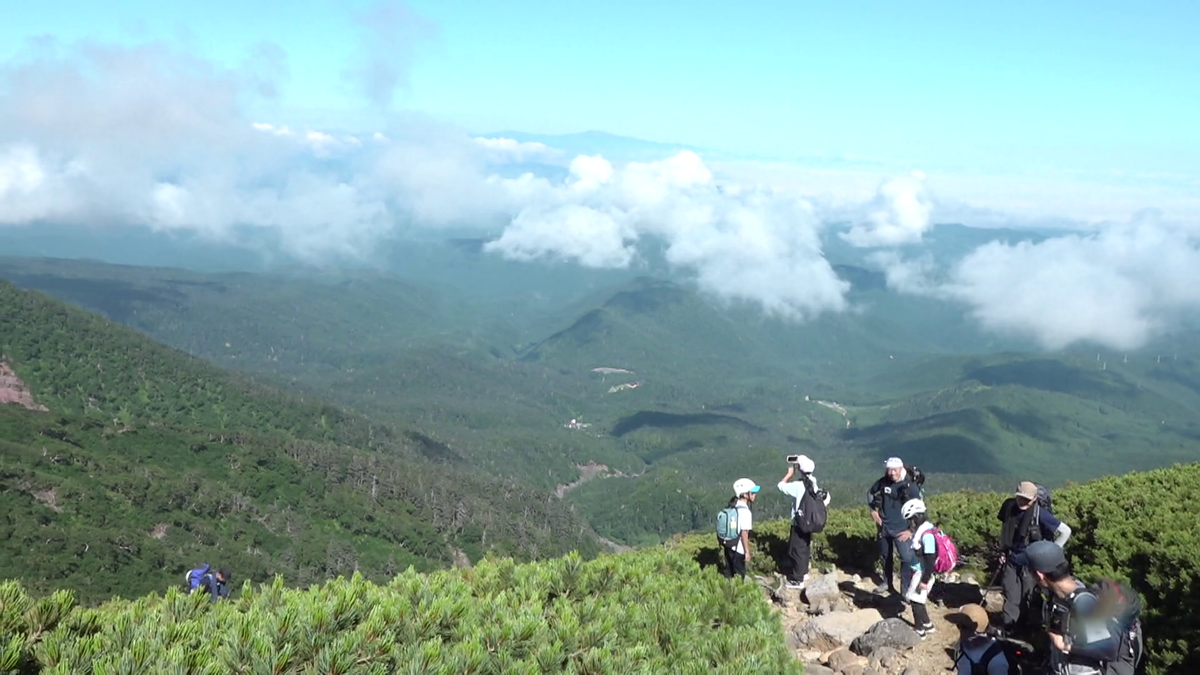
(1096, 86)
(874, 120)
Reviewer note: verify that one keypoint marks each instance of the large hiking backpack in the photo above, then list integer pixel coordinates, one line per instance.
(914, 484)
(811, 513)
(727, 526)
(193, 577)
(947, 552)
(1124, 606)
(1012, 652)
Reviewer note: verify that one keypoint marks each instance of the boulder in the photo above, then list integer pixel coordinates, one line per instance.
(840, 660)
(836, 629)
(817, 669)
(894, 633)
(822, 589)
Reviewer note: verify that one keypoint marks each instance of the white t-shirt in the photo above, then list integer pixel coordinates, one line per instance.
(745, 524)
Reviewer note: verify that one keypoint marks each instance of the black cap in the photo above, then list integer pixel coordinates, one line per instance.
(224, 572)
(1045, 556)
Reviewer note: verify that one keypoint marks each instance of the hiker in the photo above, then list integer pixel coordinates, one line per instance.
(215, 583)
(737, 552)
(885, 499)
(1094, 630)
(800, 540)
(922, 562)
(978, 653)
(1026, 519)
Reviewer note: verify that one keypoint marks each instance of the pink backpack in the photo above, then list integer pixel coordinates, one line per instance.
(947, 552)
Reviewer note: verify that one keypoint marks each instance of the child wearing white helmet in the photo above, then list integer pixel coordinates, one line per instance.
(921, 569)
(745, 491)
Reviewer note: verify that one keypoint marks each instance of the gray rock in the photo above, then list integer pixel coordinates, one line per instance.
(835, 629)
(911, 670)
(822, 588)
(840, 660)
(885, 656)
(894, 633)
(817, 669)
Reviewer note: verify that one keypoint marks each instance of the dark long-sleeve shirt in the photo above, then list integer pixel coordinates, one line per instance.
(888, 497)
(214, 586)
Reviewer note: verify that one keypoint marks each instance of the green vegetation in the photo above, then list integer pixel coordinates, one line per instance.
(485, 381)
(1136, 527)
(150, 461)
(650, 612)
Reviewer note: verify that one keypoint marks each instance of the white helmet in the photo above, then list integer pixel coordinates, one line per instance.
(911, 508)
(743, 486)
(805, 464)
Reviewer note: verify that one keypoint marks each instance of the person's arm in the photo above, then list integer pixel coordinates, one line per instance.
(213, 588)
(873, 503)
(1053, 527)
(789, 488)
(746, 543)
(928, 554)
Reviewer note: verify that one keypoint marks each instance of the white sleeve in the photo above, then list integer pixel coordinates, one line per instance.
(793, 490)
(1062, 534)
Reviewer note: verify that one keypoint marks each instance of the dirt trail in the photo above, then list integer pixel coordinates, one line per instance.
(855, 609)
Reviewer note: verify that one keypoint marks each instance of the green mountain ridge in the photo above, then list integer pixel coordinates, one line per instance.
(724, 390)
(149, 460)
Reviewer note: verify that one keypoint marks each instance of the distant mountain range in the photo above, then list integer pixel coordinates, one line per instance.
(478, 365)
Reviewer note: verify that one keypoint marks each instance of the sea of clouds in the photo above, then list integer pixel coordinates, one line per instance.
(151, 136)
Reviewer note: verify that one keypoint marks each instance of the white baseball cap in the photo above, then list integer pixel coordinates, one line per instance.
(894, 463)
(805, 464)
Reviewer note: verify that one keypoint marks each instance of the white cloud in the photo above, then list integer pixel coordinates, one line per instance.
(1119, 287)
(507, 149)
(740, 243)
(900, 214)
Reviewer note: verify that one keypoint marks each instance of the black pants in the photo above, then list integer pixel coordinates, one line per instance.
(735, 563)
(1018, 585)
(799, 550)
(920, 615)
(888, 544)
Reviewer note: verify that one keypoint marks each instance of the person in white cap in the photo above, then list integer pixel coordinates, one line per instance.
(886, 498)
(800, 542)
(745, 491)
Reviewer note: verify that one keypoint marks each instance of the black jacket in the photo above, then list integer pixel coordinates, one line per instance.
(888, 498)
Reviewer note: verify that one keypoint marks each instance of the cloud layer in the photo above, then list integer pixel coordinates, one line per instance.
(1120, 287)
(150, 136)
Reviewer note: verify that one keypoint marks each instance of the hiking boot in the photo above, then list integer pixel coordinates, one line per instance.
(795, 585)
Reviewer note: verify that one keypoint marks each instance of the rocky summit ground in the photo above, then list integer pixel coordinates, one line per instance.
(838, 625)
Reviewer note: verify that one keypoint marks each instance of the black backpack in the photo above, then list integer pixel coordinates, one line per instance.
(811, 513)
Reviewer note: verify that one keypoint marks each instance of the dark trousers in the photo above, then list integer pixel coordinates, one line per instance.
(799, 550)
(887, 544)
(920, 615)
(735, 563)
(1018, 585)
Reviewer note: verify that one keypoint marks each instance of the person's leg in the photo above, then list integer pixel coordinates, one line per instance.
(728, 571)
(799, 550)
(795, 571)
(885, 558)
(1013, 587)
(739, 564)
(907, 556)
